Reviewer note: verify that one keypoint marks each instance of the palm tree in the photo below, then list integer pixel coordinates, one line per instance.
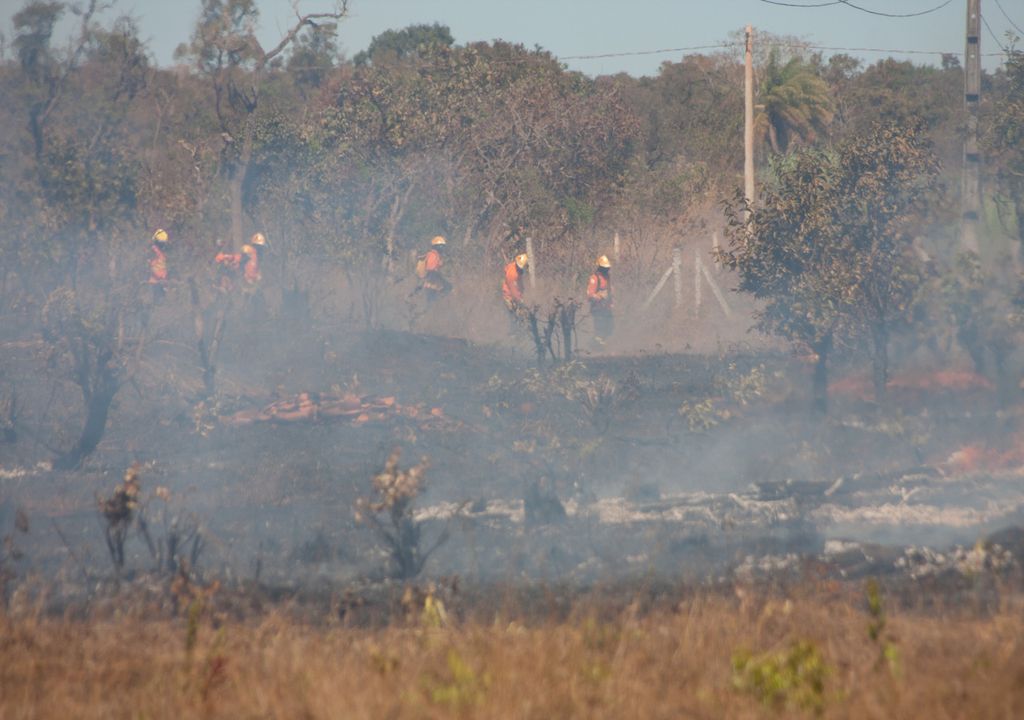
(795, 104)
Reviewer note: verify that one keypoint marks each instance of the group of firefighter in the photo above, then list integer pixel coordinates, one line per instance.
(243, 269)
(599, 287)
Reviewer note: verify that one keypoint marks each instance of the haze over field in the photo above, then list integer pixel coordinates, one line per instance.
(455, 366)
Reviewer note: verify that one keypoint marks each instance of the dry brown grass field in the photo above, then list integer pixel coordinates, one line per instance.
(743, 654)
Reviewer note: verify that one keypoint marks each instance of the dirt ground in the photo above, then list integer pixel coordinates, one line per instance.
(653, 461)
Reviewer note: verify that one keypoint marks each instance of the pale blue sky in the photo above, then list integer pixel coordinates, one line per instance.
(588, 27)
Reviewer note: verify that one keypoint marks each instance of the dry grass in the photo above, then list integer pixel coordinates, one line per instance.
(666, 664)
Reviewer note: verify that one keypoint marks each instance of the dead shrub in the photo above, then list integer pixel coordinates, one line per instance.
(542, 326)
(179, 542)
(390, 512)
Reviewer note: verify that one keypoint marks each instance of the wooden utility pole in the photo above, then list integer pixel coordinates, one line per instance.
(748, 119)
(971, 180)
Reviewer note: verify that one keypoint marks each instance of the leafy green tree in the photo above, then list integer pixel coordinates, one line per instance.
(225, 50)
(396, 45)
(314, 56)
(984, 313)
(33, 27)
(786, 255)
(795, 104)
(886, 181)
(898, 92)
(1004, 142)
(66, 195)
(689, 111)
(828, 248)
(473, 140)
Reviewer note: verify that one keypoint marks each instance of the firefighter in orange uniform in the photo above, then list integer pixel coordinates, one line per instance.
(245, 263)
(428, 269)
(512, 287)
(599, 293)
(228, 267)
(251, 275)
(158, 264)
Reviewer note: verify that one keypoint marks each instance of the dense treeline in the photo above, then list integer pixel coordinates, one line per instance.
(483, 141)
(352, 164)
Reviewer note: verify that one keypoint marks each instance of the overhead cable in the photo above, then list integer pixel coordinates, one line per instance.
(802, 5)
(895, 15)
(798, 45)
(1008, 18)
(994, 36)
(647, 52)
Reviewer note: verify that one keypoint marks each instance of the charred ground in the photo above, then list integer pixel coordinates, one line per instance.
(604, 469)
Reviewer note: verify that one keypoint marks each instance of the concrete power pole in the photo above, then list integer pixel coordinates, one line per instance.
(748, 119)
(971, 182)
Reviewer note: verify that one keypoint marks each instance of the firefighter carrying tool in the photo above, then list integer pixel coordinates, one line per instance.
(599, 293)
(428, 270)
(245, 264)
(158, 264)
(512, 287)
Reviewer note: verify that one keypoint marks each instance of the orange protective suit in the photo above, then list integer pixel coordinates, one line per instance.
(512, 287)
(251, 271)
(433, 281)
(158, 266)
(230, 265)
(599, 291)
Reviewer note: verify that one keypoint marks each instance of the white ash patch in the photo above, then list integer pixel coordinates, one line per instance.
(510, 510)
(912, 514)
(21, 472)
(838, 547)
(924, 561)
(753, 568)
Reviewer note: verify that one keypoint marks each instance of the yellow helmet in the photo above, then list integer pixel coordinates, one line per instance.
(522, 260)
(258, 240)
(438, 240)
(160, 236)
(604, 262)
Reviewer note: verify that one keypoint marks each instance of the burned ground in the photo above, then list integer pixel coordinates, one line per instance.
(607, 469)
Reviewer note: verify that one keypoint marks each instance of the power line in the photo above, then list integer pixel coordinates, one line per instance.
(799, 5)
(1008, 18)
(715, 46)
(893, 51)
(647, 52)
(857, 7)
(894, 15)
(798, 45)
(994, 37)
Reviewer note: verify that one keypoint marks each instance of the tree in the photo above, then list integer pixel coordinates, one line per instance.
(33, 26)
(470, 140)
(1005, 144)
(70, 164)
(829, 247)
(396, 45)
(795, 104)
(90, 346)
(224, 49)
(314, 55)
(786, 255)
(887, 179)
